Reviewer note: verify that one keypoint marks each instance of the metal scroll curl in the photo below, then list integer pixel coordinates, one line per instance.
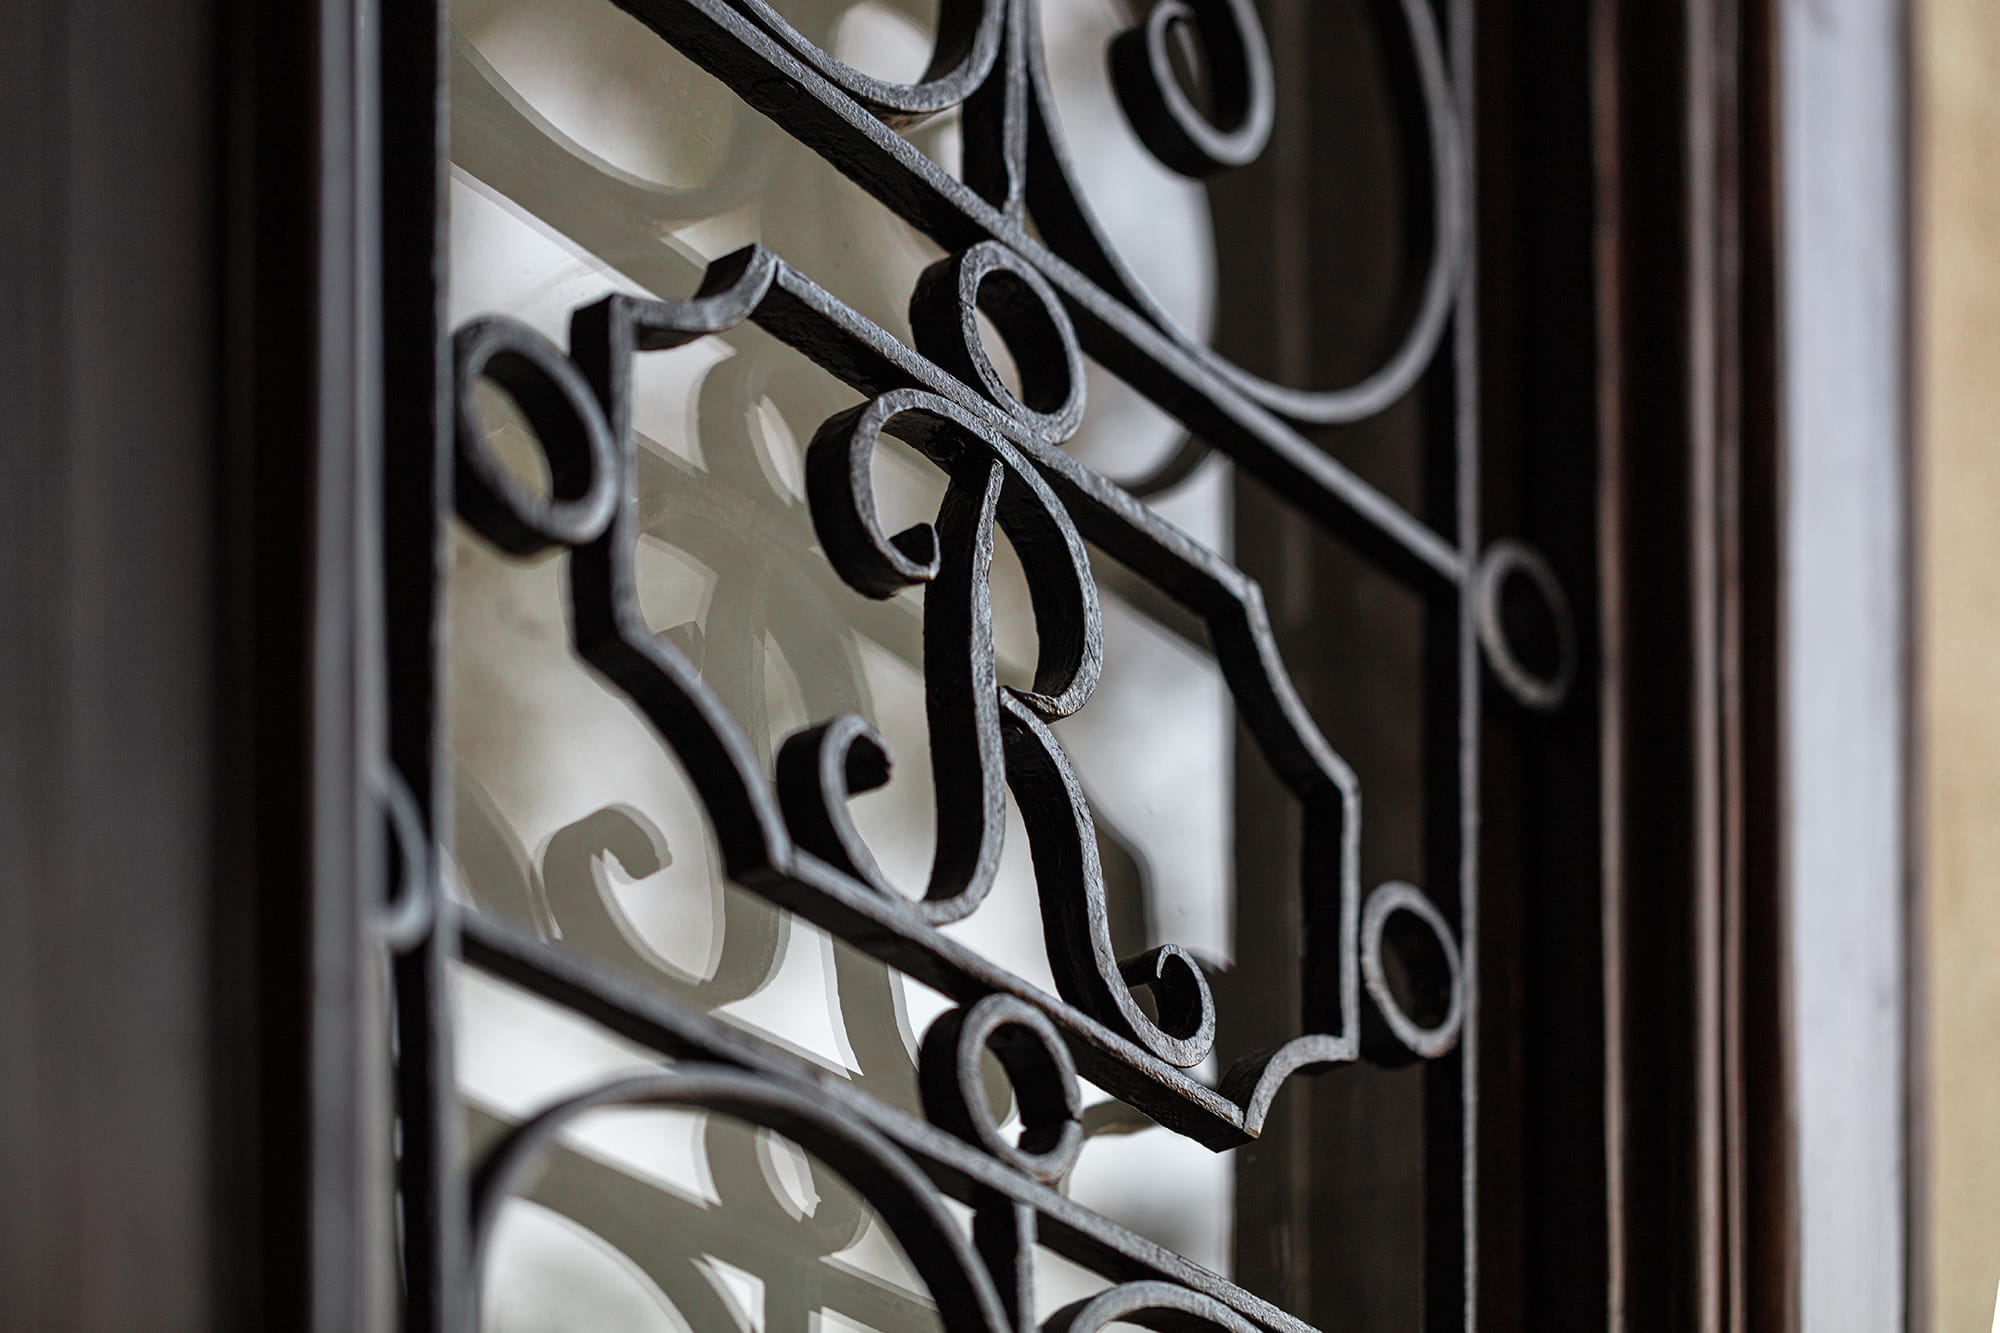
(1158, 1305)
(962, 57)
(1239, 66)
(1038, 1066)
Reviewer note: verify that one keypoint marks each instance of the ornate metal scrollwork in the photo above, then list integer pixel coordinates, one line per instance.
(1057, 293)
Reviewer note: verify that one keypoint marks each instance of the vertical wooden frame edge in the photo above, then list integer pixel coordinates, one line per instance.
(301, 853)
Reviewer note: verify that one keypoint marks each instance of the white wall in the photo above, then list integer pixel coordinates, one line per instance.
(1845, 578)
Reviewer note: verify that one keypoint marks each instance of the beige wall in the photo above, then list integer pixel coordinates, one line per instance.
(1957, 294)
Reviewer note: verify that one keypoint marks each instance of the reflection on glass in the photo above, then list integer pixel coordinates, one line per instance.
(590, 156)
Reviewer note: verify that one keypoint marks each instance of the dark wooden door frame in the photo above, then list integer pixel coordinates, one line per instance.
(107, 672)
(188, 371)
(1700, 1156)
(303, 1196)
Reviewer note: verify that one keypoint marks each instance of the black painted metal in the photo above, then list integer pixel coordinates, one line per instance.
(1057, 293)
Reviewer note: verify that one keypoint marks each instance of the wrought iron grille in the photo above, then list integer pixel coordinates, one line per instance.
(1022, 247)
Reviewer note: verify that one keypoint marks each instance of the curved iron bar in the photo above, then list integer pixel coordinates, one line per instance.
(1389, 1034)
(1158, 1305)
(1038, 1067)
(1537, 691)
(405, 919)
(962, 56)
(1243, 90)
